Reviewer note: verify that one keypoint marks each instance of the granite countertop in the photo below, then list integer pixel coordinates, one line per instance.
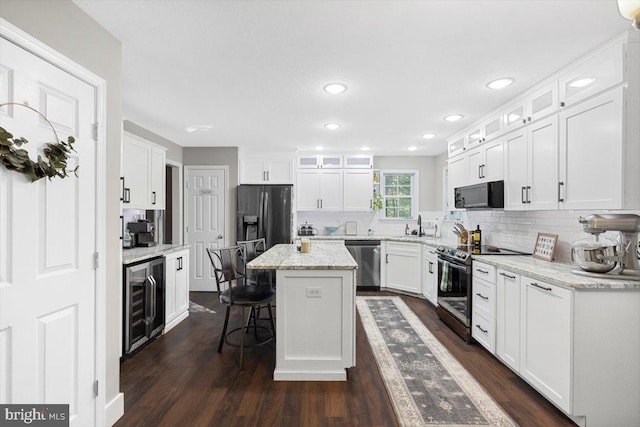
(321, 257)
(557, 273)
(129, 256)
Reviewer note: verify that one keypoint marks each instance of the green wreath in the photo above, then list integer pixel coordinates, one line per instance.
(17, 159)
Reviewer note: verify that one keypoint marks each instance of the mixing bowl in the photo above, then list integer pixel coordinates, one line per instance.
(331, 231)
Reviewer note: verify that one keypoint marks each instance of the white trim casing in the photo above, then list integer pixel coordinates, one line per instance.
(36, 47)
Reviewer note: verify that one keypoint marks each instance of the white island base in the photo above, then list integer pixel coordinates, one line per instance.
(315, 311)
(315, 325)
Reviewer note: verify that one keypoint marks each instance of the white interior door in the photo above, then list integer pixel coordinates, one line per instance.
(47, 243)
(206, 191)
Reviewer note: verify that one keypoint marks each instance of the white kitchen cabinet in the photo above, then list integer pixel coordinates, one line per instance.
(320, 161)
(358, 161)
(176, 288)
(596, 74)
(403, 266)
(430, 276)
(593, 167)
(492, 128)
(458, 176)
(143, 168)
(456, 145)
(483, 310)
(320, 190)
(508, 318)
(530, 166)
(532, 106)
(157, 177)
(266, 171)
(485, 163)
(358, 189)
(546, 340)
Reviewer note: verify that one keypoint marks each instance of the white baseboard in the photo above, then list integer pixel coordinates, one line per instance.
(114, 410)
(175, 321)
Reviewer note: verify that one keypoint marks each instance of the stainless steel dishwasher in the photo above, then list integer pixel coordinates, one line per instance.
(367, 255)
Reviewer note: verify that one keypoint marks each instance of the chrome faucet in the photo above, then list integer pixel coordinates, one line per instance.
(420, 232)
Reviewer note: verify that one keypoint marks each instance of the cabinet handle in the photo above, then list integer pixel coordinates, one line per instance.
(479, 171)
(528, 119)
(430, 267)
(482, 271)
(562, 104)
(484, 331)
(121, 227)
(528, 194)
(267, 175)
(320, 203)
(560, 186)
(482, 296)
(386, 258)
(506, 275)
(483, 168)
(127, 195)
(317, 203)
(524, 121)
(122, 186)
(370, 203)
(154, 197)
(541, 287)
(522, 190)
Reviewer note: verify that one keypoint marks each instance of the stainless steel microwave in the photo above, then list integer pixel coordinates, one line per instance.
(487, 195)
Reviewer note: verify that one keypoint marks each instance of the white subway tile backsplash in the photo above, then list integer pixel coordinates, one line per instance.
(518, 230)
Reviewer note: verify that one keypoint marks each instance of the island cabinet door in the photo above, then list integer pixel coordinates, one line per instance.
(545, 352)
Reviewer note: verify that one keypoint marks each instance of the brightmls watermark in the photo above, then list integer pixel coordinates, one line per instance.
(34, 415)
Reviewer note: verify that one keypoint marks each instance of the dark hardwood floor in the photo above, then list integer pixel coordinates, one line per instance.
(181, 380)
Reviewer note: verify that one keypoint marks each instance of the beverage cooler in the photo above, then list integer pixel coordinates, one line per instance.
(143, 308)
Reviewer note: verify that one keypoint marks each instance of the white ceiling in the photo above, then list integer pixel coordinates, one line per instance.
(255, 69)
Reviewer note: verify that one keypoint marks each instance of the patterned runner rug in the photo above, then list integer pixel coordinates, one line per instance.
(426, 384)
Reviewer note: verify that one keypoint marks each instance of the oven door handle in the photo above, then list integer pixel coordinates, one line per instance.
(452, 264)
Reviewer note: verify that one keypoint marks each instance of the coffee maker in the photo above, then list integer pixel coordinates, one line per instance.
(621, 255)
(143, 230)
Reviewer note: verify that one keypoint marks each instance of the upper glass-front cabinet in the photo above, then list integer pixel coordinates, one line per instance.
(319, 161)
(456, 146)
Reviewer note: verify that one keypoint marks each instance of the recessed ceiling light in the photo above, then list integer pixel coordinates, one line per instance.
(500, 83)
(335, 88)
(318, 148)
(412, 148)
(582, 82)
(429, 136)
(453, 117)
(365, 148)
(332, 126)
(198, 128)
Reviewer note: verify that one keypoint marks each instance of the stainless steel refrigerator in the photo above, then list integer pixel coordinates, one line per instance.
(264, 211)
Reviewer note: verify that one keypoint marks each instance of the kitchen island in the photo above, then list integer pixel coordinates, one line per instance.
(315, 311)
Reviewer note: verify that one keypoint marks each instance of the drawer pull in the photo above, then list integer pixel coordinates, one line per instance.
(484, 331)
(541, 287)
(506, 275)
(482, 271)
(482, 296)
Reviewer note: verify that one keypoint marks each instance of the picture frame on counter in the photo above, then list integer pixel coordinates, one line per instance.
(350, 228)
(545, 246)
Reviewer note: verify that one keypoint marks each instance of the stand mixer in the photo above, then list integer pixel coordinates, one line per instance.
(624, 254)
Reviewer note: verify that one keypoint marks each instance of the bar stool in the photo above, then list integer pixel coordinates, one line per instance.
(235, 290)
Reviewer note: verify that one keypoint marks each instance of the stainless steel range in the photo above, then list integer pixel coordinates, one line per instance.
(455, 284)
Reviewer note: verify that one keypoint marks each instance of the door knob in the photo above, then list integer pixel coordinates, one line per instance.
(220, 236)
